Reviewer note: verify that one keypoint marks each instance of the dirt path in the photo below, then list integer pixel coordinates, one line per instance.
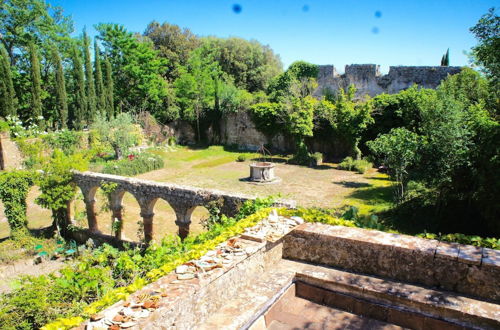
(9, 273)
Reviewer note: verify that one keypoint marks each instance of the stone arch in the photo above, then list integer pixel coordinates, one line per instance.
(37, 216)
(163, 220)
(199, 214)
(127, 208)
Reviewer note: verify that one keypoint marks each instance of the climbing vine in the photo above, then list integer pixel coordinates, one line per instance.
(14, 187)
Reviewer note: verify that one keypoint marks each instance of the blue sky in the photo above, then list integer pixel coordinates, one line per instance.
(402, 32)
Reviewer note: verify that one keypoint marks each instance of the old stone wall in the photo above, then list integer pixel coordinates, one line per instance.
(10, 156)
(369, 81)
(460, 268)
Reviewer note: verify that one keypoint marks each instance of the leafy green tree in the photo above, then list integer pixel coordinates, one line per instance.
(8, 100)
(58, 188)
(79, 105)
(61, 96)
(173, 43)
(91, 112)
(486, 53)
(137, 70)
(398, 150)
(99, 82)
(36, 86)
(25, 21)
(349, 119)
(299, 80)
(109, 90)
(250, 64)
(14, 187)
(118, 132)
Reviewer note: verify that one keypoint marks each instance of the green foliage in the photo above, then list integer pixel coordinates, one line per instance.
(266, 117)
(106, 275)
(61, 96)
(491, 243)
(445, 60)
(356, 165)
(137, 70)
(109, 90)
(173, 44)
(241, 158)
(248, 63)
(137, 164)
(79, 106)
(91, 111)
(487, 52)
(397, 150)
(99, 83)
(119, 132)
(65, 140)
(36, 88)
(57, 186)
(8, 100)
(14, 187)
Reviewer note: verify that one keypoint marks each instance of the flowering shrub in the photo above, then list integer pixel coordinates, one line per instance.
(134, 164)
(17, 130)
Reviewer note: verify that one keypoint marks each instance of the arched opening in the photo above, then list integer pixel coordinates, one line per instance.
(37, 216)
(132, 224)
(78, 213)
(163, 220)
(4, 224)
(198, 219)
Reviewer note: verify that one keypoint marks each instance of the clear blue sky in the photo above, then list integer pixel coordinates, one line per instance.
(339, 32)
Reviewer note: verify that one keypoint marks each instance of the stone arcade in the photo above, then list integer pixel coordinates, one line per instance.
(183, 200)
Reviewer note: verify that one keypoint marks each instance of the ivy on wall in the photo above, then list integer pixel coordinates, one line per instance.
(14, 188)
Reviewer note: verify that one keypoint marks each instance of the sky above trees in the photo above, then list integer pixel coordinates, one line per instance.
(391, 32)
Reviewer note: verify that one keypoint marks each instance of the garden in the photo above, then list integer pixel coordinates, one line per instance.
(420, 162)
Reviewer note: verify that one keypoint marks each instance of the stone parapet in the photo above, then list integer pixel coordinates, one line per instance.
(460, 268)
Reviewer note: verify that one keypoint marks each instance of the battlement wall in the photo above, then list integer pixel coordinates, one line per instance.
(369, 81)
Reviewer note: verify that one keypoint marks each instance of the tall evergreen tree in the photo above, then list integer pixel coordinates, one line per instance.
(89, 81)
(61, 96)
(110, 103)
(99, 84)
(8, 101)
(80, 104)
(36, 85)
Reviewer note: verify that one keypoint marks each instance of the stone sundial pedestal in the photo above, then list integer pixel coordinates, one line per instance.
(262, 172)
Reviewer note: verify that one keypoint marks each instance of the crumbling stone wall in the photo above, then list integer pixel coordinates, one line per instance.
(182, 199)
(10, 156)
(369, 81)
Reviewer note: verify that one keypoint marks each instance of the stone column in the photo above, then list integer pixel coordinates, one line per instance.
(147, 219)
(183, 214)
(89, 199)
(116, 211)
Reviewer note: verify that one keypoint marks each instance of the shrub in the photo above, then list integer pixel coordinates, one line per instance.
(241, 158)
(350, 164)
(134, 164)
(67, 141)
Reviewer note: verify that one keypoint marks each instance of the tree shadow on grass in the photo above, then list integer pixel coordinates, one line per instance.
(353, 184)
(373, 195)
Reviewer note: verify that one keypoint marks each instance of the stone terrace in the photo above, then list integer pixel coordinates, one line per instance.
(279, 275)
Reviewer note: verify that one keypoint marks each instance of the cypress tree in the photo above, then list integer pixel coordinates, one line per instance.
(447, 58)
(61, 96)
(89, 81)
(8, 101)
(36, 86)
(80, 103)
(99, 84)
(110, 103)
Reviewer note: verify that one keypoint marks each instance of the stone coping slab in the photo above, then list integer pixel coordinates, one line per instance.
(454, 267)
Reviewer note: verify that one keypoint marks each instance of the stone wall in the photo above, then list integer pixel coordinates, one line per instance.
(369, 81)
(182, 199)
(460, 268)
(10, 156)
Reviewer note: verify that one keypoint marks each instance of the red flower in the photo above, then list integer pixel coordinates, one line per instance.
(131, 157)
